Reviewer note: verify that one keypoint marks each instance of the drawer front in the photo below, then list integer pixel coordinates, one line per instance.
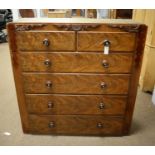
(75, 124)
(76, 62)
(50, 41)
(76, 104)
(76, 83)
(93, 41)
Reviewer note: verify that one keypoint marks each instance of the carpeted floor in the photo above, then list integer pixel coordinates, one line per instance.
(142, 133)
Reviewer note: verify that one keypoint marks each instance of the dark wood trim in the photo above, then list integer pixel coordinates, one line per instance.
(28, 27)
(112, 27)
(77, 27)
(66, 27)
(127, 28)
(141, 37)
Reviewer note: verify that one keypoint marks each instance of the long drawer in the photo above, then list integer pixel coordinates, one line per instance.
(76, 83)
(76, 104)
(75, 124)
(93, 41)
(76, 62)
(56, 40)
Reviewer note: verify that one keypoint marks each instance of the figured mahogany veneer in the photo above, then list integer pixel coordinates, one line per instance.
(93, 41)
(76, 83)
(76, 104)
(76, 62)
(65, 81)
(56, 40)
(76, 124)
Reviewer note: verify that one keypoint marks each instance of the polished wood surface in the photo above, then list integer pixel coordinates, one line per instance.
(18, 78)
(76, 124)
(76, 104)
(92, 41)
(66, 84)
(57, 40)
(76, 62)
(76, 83)
(135, 78)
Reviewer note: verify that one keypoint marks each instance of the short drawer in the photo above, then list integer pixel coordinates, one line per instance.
(76, 62)
(51, 41)
(93, 41)
(76, 124)
(76, 83)
(76, 104)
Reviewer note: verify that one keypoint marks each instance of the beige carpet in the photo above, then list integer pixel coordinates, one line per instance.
(142, 133)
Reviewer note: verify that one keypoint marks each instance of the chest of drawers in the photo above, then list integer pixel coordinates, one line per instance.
(76, 76)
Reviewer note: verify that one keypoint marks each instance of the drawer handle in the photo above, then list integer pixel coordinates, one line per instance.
(103, 85)
(105, 63)
(101, 106)
(50, 105)
(46, 42)
(48, 84)
(106, 44)
(100, 125)
(51, 125)
(47, 63)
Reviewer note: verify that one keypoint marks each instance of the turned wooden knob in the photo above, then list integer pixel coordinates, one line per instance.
(46, 42)
(99, 125)
(47, 62)
(105, 63)
(106, 43)
(48, 84)
(101, 105)
(50, 105)
(51, 125)
(103, 85)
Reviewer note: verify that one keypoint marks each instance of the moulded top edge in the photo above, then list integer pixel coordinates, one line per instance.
(75, 20)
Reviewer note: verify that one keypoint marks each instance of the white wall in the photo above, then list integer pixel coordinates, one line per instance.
(15, 14)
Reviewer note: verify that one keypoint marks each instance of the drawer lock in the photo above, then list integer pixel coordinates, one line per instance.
(105, 63)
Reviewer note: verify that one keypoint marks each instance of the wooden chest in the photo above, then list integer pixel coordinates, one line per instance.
(76, 76)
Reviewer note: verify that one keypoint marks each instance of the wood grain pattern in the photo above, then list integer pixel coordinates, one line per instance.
(76, 83)
(28, 27)
(76, 124)
(76, 104)
(77, 27)
(76, 74)
(135, 77)
(76, 62)
(63, 27)
(93, 41)
(100, 25)
(30, 40)
(18, 78)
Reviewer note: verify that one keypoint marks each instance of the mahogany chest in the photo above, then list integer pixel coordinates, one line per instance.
(76, 76)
